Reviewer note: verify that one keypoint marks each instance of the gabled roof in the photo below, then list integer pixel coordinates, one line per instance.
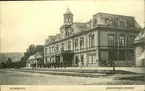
(36, 56)
(32, 57)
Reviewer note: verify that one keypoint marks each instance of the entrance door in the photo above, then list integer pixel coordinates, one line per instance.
(68, 60)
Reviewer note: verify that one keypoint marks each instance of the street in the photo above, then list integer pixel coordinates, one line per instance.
(8, 77)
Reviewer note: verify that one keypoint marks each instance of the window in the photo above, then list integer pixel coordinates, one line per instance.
(131, 41)
(106, 21)
(67, 19)
(110, 22)
(49, 49)
(131, 55)
(81, 42)
(91, 40)
(94, 22)
(122, 24)
(112, 55)
(122, 55)
(57, 48)
(122, 40)
(45, 50)
(69, 45)
(52, 48)
(76, 44)
(92, 59)
(62, 46)
(70, 20)
(116, 23)
(111, 40)
(76, 60)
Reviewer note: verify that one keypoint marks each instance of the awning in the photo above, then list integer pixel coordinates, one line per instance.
(142, 56)
(143, 36)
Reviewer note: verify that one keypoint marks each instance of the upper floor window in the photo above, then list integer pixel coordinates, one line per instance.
(57, 48)
(49, 49)
(70, 20)
(91, 40)
(69, 45)
(106, 20)
(52, 48)
(76, 44)
(88, 25)
(111, 40)
(81, 42)
(115, 23)
(67, 19)
(122, 24)
(110, 22)
(131, 41)
(62, 46)
(122, 40)
(45, 50)
(94, 22)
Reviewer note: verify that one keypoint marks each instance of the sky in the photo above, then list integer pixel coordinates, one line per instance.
(31, 22)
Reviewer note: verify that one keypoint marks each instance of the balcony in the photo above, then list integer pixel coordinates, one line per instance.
(66, 51)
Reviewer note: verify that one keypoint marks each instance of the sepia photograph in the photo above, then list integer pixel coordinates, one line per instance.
(76, 42)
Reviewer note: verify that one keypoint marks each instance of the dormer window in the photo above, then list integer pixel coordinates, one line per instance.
(106, 21)
(94, 22)
(116, 22)
(110, 22)
(122, 24)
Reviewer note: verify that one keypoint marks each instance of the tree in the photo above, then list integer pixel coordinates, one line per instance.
(3, 65)
(9, 63)
(22, 62)
(31, 50)
(39, 48)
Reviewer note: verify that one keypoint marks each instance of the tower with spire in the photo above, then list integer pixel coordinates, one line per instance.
(68, 17)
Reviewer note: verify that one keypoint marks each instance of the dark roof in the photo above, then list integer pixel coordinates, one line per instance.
(112, 14)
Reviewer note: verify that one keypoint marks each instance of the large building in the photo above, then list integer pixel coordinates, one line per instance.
(140, 49)
(105, 39)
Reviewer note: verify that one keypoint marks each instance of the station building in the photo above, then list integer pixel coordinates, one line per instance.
(105, 39)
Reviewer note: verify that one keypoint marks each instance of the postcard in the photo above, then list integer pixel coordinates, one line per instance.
(89, 45)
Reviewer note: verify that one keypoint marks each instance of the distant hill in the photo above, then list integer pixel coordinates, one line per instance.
(15, 56)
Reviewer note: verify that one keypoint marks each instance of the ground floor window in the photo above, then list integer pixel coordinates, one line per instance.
(82, 60)
(92, 59)
(122, 55)
(131, 55)
(112, 55)
(76, 60)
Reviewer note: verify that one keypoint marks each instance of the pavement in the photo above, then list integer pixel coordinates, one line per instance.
(140, 70)
(85, 71)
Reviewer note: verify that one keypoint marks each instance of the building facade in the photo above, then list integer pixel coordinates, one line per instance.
(35, 61)
(105, 39)
(139, 42)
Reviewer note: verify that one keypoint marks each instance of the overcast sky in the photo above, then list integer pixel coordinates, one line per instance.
(25, 23)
